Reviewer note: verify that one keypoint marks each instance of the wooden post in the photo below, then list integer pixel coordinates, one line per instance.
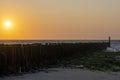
(109, 41)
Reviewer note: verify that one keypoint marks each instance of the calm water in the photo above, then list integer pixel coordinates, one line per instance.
(114, 43)
(47, 41)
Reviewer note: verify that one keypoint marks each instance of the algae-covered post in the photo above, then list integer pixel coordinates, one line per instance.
(17, 58)
(109, 41)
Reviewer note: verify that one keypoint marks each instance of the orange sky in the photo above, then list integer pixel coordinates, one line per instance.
(60, 19)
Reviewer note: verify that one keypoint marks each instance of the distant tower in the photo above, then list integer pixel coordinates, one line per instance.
(109, 41)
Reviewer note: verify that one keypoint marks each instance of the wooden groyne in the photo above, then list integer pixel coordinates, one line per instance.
(19, 58)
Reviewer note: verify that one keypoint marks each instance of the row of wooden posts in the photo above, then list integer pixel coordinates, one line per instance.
(19, 58)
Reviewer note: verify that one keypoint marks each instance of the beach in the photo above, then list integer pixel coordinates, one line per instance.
(59, 40)
(66, 74)
(72, 73)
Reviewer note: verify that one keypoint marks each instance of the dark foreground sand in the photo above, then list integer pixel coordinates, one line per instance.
(67, 74)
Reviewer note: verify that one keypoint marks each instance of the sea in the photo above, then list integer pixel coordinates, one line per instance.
(48, 41)
(113, 42)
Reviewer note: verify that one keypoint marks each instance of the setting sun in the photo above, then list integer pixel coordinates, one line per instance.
(7, 24)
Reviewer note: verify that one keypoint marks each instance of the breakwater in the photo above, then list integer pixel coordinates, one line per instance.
(17, 58)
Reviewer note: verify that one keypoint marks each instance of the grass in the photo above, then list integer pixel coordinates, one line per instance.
(101, 61)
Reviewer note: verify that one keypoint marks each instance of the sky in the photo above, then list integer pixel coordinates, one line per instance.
(60, 19)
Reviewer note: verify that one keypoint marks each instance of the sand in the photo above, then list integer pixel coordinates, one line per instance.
(66, 74)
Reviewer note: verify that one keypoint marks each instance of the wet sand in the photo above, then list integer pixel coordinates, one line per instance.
(66, 74)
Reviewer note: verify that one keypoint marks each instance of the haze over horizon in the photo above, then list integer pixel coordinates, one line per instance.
(59, 19)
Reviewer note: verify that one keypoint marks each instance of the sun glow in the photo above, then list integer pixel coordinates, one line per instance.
(8, 24)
